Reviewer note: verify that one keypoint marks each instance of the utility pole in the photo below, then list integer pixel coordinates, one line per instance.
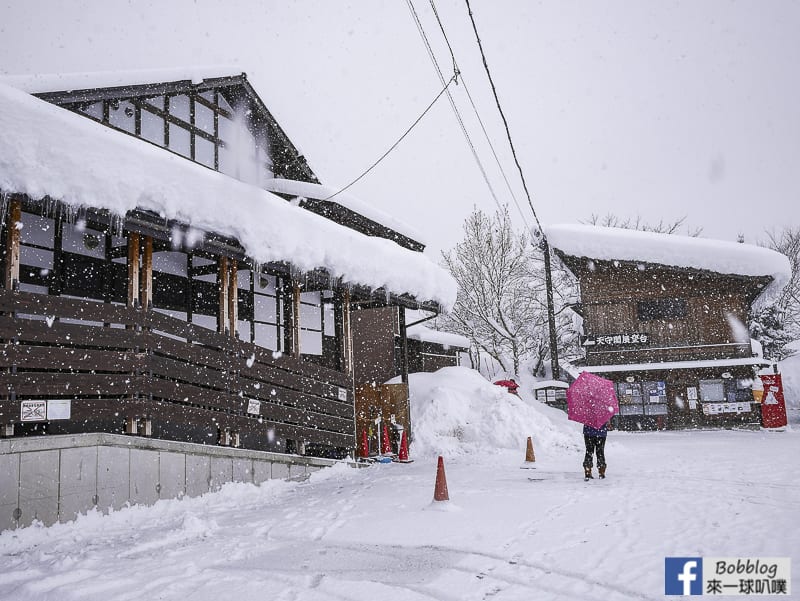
(551, 312)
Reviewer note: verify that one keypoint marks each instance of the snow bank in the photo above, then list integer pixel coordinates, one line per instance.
(46, 151)
(612, 243)
(455, 411)
(790, 376)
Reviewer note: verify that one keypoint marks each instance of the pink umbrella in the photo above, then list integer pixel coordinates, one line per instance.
(591, 400)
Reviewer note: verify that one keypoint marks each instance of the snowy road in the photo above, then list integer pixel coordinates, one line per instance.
(354, 535)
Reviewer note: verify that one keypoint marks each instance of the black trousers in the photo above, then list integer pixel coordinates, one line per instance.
(595, 444)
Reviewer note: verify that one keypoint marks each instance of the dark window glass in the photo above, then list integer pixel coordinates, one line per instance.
(661, 308)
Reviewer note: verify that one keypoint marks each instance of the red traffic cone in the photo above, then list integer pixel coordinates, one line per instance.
(386, 447)
(403, 455)
(440, 491)
(364, 444)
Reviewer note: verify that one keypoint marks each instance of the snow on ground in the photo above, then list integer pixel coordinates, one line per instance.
(367, 534)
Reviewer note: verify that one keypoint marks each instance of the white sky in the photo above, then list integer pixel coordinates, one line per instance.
(656, 109)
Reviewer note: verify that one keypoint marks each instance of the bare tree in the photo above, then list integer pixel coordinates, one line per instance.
(501, 303)
(636, 223)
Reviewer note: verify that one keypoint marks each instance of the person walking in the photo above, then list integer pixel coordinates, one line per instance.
(595, 441)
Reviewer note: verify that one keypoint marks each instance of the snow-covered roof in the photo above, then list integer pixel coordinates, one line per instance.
(39, 83)
(730, 258)
(49, 151)
(424, 334)
(668, 365)
(345, 199)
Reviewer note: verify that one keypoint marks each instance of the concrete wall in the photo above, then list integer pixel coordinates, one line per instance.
(56, 478)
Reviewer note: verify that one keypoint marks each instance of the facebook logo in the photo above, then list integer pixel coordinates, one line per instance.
(683, 575)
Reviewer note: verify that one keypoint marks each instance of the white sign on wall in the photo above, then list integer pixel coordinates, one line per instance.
(33, 411)
(59, 409)
(254, 407)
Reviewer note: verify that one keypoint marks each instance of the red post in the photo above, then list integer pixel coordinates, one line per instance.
(364, 444)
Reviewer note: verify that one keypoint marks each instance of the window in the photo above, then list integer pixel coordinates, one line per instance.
(712, 391)
(204, 118)
(152, 128)
(311, 322)
(179, 107)
(661, 308)
(180, 140)
(122, 114)
(94, 110)
(37, 238)
(267, 312)
(630, 398)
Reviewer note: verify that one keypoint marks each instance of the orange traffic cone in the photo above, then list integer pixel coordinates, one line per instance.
(529, 456)
(440, 491)
(403, 454)
(364, 444)
(386, 447)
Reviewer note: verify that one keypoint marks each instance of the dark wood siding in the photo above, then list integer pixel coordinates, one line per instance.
(134, 367)
(611, 294)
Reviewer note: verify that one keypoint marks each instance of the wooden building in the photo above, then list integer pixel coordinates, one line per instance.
(386, 348)
(664, 318)
(163, 278)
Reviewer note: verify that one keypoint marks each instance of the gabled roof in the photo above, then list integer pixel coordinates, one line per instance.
(671, 250)
(294, 176)
(70, 89)
(48, 152)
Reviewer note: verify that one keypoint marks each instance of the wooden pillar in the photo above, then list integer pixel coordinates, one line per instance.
(146, 274)
(403, 344)
(133, 269)
(296, 319)
(233, 297)
(223, 281)
(346, 335)
(13, 223)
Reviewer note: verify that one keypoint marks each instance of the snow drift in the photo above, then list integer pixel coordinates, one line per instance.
(456, 411)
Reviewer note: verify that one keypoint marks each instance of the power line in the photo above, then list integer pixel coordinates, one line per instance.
(393, 146)
(460, 120)
(502, 114)
(477, 114)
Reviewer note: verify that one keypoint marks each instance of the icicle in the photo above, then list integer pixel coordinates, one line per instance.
(5, 197)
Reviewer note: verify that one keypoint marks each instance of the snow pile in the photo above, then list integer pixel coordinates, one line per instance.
(47, 151)
(790, 376)
(455, 411)
(612, 243)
